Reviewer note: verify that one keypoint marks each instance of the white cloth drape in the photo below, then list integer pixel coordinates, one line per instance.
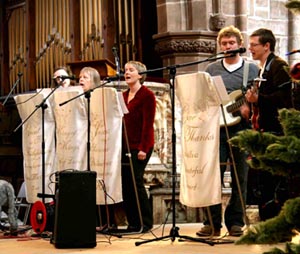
(200, 182)
(71, 129)
(32, 144)
(66, 131)
(106, 140)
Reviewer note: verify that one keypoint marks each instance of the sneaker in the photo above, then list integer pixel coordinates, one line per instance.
(235, 231)
(207, 231)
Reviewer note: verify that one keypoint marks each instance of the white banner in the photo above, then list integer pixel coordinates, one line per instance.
(200, 182)
(66, 139)
(71, 129)
(32, 144)
(106, 140)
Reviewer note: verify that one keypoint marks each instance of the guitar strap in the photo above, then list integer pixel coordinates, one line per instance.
(265, 68)
(245, 74)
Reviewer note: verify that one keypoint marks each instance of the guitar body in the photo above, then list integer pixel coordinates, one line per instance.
(254, 117)
(254, 108)
(237, 99)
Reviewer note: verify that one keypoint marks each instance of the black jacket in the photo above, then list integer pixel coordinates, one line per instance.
(274, 93)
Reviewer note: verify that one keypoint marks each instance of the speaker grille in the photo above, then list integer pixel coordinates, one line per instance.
(75, 213)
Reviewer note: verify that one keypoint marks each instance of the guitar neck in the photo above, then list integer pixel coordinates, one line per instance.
(236, 105)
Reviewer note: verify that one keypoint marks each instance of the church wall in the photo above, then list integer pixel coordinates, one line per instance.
(187, 32)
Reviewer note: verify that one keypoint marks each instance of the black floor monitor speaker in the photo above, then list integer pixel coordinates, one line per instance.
(75, 216)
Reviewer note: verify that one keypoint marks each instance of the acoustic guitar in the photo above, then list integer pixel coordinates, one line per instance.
(254, 108)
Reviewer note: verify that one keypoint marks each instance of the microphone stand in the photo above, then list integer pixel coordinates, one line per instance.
(13, 88)
(174, 233)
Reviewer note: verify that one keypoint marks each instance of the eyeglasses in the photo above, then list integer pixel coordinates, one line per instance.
(252, 45)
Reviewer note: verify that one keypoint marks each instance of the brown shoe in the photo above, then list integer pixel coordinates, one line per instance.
(207, 231)
(235, 231)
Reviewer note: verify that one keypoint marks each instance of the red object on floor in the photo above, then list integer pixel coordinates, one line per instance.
(38, 217)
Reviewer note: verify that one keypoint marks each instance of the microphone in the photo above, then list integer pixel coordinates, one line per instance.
(114, 78)
(294, 51)
(63, 77)
(117, 60)
(233, 51)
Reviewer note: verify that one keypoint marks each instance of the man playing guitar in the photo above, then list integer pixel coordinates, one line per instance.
(232, 70)
(274, 92)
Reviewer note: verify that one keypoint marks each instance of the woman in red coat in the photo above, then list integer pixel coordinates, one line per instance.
(137, 145)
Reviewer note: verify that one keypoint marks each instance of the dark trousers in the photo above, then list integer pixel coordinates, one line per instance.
(129, 197)
(273, 192)
(234, 211)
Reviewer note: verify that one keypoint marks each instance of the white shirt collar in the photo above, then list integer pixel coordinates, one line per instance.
(233, 67)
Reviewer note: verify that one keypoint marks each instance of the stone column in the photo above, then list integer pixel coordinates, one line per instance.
(241, 19)
(294, 37)
(183, 36)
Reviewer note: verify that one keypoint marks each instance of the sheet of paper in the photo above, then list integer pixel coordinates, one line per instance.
(221, 90)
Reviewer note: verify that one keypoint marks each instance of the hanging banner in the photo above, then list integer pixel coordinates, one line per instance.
(106, 140)
(32, 139)
(71, 129)
(200, 182)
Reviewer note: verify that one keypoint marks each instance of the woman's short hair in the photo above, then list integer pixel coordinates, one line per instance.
(140, 68)
(62, 68)
(94, 75)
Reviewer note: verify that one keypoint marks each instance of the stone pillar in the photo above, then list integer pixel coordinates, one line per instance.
(187, 47)
(182, 36)
(294, 37)
(241, 20)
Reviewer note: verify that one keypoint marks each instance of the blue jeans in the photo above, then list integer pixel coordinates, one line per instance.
(234, 211)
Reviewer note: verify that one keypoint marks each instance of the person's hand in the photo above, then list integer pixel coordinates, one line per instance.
(251, 96)
(141, 155)
(245, 111)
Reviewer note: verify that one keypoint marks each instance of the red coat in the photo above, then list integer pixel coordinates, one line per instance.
(140, 120)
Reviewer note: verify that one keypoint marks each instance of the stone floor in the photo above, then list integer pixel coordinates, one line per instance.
(134, 243)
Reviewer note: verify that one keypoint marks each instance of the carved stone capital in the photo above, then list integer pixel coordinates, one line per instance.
(185, 43)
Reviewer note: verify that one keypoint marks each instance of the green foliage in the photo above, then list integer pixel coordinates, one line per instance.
(252, 141)
(290, 248)
(277, 229)
(279, 155)
(271, 231)
(290, 122)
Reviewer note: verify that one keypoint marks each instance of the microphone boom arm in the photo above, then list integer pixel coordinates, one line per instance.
(13, 88)
(214, 58)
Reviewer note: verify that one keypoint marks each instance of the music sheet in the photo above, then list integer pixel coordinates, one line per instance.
(200, 182)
